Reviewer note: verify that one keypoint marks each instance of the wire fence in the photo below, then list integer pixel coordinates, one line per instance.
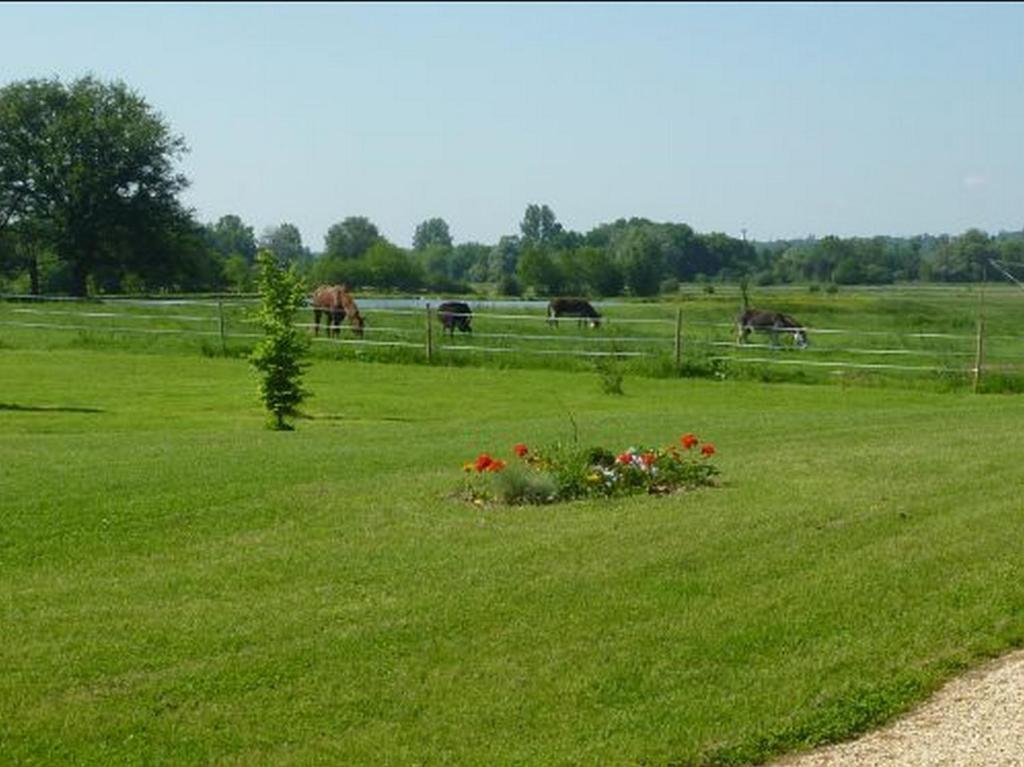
(680, 339)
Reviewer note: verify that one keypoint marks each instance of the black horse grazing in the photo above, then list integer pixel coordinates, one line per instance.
(573, 307)
(455, 314)
(770, 322)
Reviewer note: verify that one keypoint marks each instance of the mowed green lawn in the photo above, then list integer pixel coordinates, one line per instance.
(179, 585)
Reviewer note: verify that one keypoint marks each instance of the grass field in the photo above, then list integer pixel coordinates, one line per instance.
(179, 585)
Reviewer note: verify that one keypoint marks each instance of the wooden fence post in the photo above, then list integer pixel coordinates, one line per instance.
(220, 324)
(979, 347)
(979, 351)
(679, 337)
(430, 339)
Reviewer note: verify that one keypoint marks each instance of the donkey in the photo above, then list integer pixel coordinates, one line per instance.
(770, 322)
(573, 307)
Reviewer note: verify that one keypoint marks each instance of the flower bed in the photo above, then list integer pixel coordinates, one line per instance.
(562, 473)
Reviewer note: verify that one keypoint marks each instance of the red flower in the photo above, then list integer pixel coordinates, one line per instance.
(708, 449)
(624, 458)
(688, 440)
(648, 458)
(496, 465)
(520, 449)
(483, 462)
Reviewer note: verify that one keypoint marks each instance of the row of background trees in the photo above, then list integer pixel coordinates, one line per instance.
(89, 204)
(627, 257)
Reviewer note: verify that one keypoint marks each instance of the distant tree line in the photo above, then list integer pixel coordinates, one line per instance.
(89, 205)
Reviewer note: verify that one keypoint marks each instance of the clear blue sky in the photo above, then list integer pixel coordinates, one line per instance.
(781, 119)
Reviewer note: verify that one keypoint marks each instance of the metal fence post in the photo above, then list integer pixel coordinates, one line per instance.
(679, 337)
(220, 325)
(430, 340)
(979, 348)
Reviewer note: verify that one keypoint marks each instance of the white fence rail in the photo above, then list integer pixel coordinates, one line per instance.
(228, 320)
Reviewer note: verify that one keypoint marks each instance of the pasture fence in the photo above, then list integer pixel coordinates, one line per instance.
(628, 332)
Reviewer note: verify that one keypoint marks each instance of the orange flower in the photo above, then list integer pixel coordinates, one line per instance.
(648, 458)
(624, 458)
(482, 462)
(708, 449)
(520, 449)
(688, 440)
(496, 465)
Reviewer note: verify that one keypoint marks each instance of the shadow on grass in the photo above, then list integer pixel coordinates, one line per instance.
(353, 419)
(47, 408)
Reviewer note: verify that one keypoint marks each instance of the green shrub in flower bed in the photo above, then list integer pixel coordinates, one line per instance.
(568, 472)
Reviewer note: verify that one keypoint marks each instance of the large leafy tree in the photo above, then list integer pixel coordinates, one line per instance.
(539, 226)
(504, 258)
(433, 231)
(233, 243)
(538, 269)
(391, 267)
(973, 250)
(599, 271)
(230, 236)
(351, 238)
(1011, 250)
(467, 259)
(285, 242)
(640, 258)
(87, 171)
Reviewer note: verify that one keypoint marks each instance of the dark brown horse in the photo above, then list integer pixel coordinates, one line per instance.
(770, 322)
(455, 314)
(334, 303)
(573, 307)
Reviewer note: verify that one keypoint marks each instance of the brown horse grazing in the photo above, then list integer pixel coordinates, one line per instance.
(348, 305)
(573, 307)
(334, 303)
(770, 322)
(327, 303)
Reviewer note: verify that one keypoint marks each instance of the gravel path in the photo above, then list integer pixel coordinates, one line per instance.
(976, 720)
